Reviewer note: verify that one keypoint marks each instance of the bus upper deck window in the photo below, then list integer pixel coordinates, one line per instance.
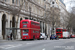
(24, 22)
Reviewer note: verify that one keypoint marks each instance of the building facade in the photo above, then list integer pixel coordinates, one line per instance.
(63, 13)
(13, 11)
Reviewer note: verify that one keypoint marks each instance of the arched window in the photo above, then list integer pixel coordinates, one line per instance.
(3, 25)
(13, 21)
(52, 2)
(20, 19)
(12, 1)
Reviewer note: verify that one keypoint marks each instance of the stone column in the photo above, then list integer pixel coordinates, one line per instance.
(47, 29)
(8, 21)
(9, 24)
(42, 26)
(18, 31)
(6, 26)
(1, 26)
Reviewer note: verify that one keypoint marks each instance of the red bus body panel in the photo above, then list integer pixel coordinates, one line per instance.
(32, 27)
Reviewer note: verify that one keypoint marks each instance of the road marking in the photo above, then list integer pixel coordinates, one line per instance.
(61, 39)
(43, 49)
(29, 43)
(10, 46)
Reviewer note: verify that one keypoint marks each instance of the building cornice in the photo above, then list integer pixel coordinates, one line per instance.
(35, 3)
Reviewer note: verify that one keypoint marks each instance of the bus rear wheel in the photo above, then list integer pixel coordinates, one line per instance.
(33, 37)
(23, 39)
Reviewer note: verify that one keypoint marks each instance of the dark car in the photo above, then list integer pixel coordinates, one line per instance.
(53, 36)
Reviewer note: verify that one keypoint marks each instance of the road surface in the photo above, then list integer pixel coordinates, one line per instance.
(61, 44)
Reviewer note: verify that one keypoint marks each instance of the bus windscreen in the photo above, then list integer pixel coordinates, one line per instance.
(58, 30)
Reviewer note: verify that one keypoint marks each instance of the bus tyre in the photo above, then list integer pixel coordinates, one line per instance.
(38, 39)
(68, 37)
(43, 38)
(23, 39)
(46, 39)
(33, 37)
(57, 38)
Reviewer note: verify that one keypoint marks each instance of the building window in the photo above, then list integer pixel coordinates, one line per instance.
(45, 6)
(10, 24)
(16, 2)
(12, 1)
(19, 2)
(5, 0)
(52, 2)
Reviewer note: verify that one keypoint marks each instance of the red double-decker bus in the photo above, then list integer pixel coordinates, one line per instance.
(29, 29)
(59, 32)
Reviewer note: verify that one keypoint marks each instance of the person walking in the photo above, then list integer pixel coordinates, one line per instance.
(8, 37)
(11, 36)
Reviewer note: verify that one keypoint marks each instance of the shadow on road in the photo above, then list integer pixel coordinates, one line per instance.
(25, 40)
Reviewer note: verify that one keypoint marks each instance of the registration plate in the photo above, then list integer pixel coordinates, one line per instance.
(58, 36)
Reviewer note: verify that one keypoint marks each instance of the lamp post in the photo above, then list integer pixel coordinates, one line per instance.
(30, 12)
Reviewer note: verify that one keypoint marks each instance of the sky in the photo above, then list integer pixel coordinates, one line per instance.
(69, 4)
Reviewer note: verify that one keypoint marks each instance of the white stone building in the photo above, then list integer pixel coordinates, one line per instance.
(9, 10)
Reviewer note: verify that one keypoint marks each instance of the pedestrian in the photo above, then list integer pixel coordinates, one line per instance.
(8, 37)
(11, 36)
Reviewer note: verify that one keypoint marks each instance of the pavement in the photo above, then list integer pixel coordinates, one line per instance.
(1, 40)
(61, 44)
(5, 40)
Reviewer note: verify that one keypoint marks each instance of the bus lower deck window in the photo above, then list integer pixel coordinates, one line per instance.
(26, 30)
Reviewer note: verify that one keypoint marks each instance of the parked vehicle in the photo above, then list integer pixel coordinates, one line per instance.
(53, 36)
(72, 36)
(66, 34)
(43, 36)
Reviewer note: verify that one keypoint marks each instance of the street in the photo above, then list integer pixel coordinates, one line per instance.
(38, 20)
(61, 44)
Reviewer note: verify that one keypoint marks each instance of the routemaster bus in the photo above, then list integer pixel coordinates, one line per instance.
(60, 32)
(29, 29)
